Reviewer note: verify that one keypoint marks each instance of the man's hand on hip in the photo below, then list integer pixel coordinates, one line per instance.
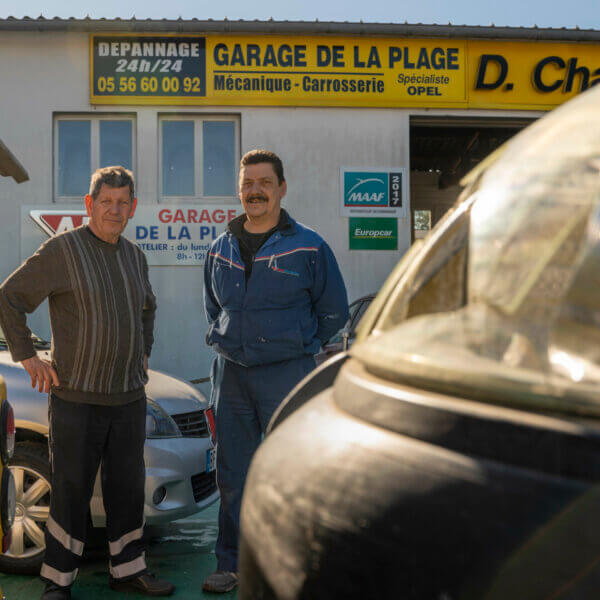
(41, 372)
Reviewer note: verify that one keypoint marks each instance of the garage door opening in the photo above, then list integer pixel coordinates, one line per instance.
(442, 151)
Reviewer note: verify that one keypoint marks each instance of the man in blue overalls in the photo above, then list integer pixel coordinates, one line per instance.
(273, 295)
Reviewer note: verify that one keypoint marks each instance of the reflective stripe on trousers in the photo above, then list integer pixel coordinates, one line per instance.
(128, 569)
(58, 577)
(58, 533)
(117, 546)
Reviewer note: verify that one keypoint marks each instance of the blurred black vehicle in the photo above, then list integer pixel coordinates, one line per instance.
(454, 452)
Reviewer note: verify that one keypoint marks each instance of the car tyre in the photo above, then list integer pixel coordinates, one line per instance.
(30, 466)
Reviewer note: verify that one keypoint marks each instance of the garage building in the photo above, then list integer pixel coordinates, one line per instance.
(375, 123)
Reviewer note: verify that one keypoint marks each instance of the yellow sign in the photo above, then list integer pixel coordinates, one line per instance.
(529, 75)
(323, 71)
(337, 71)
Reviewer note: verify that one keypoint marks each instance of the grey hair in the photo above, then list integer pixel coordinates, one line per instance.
(114, 177)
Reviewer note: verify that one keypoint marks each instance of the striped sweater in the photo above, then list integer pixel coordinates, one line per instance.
(101, 313)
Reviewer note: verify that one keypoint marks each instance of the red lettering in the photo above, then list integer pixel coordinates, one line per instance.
(164, 216)
(218, 215)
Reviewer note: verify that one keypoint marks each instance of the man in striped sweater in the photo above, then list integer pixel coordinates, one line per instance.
(102, 317)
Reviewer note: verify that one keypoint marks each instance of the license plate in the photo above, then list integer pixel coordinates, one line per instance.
(211, 460)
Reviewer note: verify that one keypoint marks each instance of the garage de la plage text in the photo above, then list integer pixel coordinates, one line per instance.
(246, 67)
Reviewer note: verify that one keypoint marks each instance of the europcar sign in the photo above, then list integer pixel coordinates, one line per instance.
(373, 192)
(373, 234)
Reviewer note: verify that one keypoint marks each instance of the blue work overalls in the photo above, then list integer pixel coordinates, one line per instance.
(265, 335)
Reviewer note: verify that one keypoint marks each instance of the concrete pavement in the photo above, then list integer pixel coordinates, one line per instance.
(182, 551)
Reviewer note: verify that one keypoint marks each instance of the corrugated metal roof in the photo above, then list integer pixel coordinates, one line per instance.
(297, 27)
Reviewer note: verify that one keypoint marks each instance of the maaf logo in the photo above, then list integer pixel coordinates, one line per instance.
(55, 221)
(365, 189)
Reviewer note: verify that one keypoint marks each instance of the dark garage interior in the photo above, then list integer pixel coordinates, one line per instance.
(442, 151)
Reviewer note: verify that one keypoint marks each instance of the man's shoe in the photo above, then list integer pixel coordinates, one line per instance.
(53, 592)
(145, 583)
(220, 582)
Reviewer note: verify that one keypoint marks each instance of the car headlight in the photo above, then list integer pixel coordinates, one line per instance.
(158, 423)
(210, 402)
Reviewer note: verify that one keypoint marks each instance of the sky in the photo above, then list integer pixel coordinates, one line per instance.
(543, 13)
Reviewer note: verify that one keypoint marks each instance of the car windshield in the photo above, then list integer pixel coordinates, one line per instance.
(524, 327)
(38, 342)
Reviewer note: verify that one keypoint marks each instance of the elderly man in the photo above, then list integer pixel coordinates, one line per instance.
(102, 318)
(273, 295)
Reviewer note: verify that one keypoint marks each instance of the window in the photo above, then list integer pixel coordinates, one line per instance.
(198, 157)
(82, 144)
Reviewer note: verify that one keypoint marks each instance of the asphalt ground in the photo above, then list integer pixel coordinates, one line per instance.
(182, 552)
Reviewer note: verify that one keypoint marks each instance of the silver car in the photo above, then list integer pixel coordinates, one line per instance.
(179, 456)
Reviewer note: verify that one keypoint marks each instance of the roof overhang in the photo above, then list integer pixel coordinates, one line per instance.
(271, 26)
(10, 166)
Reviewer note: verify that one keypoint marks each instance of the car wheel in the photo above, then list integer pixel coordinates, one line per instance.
(30, 467)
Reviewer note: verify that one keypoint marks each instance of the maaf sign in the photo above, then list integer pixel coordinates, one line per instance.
(372, 192)
(168, 235)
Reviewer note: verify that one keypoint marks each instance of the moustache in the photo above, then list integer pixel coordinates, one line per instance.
(261, 197)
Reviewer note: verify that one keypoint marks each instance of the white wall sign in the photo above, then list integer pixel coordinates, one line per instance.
(368, 192)
(168, 234)
(179, 234)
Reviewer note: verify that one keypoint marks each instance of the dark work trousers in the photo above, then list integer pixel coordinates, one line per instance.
(83, 436)
(246, 398)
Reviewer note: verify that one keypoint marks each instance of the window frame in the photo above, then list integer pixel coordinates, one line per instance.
(198, 119)
(95, 119)
(428, 259)
(358, 315)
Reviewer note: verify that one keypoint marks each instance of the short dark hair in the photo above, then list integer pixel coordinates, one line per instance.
(264, 156)
(114, 177)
